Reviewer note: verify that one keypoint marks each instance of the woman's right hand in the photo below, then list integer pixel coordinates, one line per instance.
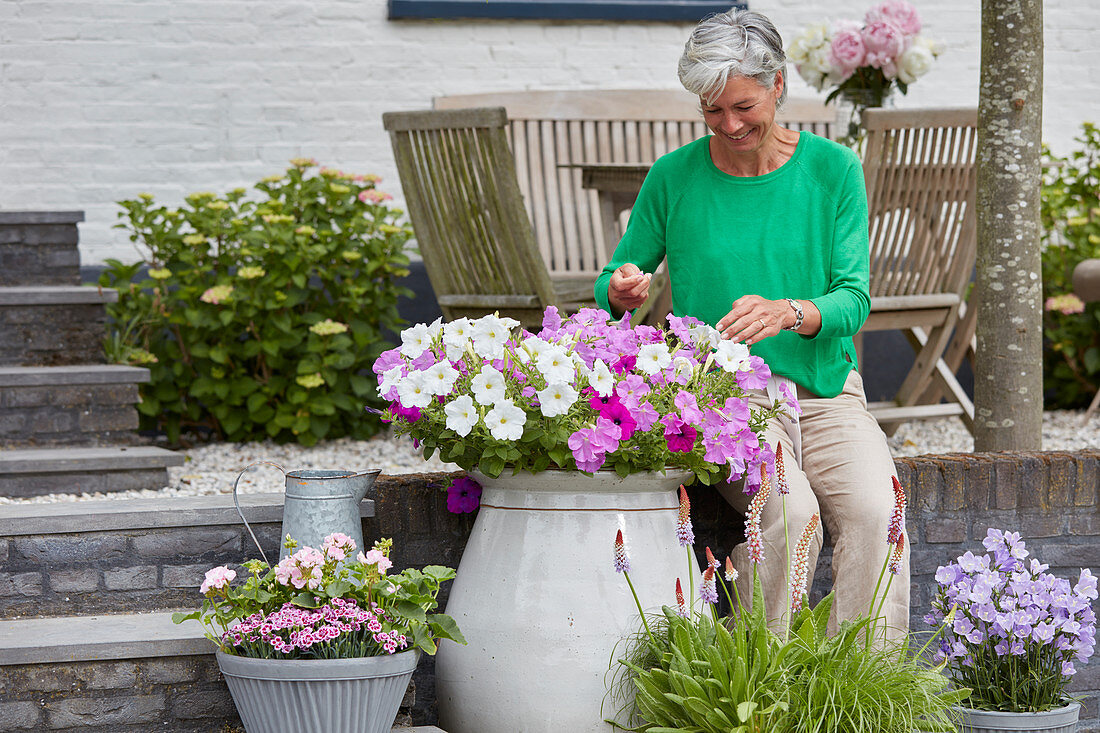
(629, 288)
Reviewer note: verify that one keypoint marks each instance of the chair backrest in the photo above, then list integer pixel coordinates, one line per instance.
(459, 181)
(919, 167)
(549, 129)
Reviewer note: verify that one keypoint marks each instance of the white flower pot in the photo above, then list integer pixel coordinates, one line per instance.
(359, 695)
(1059, 720)
(541, 605)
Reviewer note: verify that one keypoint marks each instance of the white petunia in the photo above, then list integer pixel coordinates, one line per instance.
(505, 421)
(489, 334)
(683, 368)
(440, 378)
(600, 379)
(415, 340)
(389, 379)
(413, 390)
(731, 356)
(488, 386)
(461, 415)
(535, 346)
(706, 337)
(555, 365)
(652, 358)
(556, 399)
(456, 337)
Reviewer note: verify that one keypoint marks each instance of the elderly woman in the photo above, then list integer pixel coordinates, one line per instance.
(765, 233)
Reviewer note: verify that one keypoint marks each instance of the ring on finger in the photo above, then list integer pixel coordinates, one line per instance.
(762, 324)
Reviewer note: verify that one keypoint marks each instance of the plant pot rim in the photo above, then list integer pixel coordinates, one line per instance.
(257, 667)
(1070, 705)
(668, 472)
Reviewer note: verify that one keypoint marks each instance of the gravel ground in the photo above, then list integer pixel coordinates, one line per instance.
(211, 469)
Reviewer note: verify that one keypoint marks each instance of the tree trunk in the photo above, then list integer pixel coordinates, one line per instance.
(1008, 369)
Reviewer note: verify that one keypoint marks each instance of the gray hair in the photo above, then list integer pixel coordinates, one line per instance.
(734, 43)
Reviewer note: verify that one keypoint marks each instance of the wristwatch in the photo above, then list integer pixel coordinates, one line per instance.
(798, 314)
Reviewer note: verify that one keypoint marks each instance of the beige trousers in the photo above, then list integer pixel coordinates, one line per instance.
(846, 476)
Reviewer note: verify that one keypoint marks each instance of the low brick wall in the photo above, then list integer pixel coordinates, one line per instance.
(1050, 498)
(172, 694)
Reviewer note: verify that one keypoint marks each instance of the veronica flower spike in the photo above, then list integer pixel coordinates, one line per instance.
(753, 532)
(780, 473)
(622, 565)
(800, 571)
(681, 607)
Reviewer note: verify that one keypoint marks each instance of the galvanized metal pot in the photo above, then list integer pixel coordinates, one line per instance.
(318, 695)
(538, 599)
(1059, 720)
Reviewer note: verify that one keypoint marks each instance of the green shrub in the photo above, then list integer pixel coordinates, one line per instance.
(1071, 233)
(260, 318)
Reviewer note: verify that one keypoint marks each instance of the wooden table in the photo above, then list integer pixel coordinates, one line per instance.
(617, 186)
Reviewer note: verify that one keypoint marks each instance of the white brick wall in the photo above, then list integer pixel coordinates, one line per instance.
(102, 99)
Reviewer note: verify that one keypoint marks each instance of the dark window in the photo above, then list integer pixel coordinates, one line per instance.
(666, 10)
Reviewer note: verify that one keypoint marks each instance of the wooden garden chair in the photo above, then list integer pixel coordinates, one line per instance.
(921, 187)
(459, 179)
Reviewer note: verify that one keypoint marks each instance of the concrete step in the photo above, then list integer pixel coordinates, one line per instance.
(53, 325)
(111, 555)
(119, 672)
(28, 472)
(87, 405)
(39, 247)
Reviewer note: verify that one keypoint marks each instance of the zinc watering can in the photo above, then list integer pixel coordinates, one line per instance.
(316, 504)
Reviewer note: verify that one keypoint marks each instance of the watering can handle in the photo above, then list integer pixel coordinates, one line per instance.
(238, 505)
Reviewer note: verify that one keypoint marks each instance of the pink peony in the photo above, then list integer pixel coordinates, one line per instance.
(884, 42)
(900, 13)
(217, 578)
(846, 51)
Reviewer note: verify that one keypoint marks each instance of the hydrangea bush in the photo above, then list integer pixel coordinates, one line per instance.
(1012, 631)
(259, 315)
(327, 603)
(585, 393)
(1071, 233)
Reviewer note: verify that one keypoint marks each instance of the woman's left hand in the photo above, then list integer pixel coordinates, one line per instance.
(753, 318)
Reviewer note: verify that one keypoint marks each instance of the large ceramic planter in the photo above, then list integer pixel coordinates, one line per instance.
(1060, 720)
(318, 695)
(541, 605)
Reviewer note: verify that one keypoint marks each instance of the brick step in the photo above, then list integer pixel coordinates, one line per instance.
(28, 472)
(112, 555)
(118, 673)
(87, 405)
(39, 247)
(55, 325)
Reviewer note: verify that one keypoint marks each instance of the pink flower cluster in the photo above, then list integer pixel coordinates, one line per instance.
(217, 579)
(330, 631)
(887, 31)
(303, 569)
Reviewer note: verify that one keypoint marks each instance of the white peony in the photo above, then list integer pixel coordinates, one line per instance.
(505, 421)
(556, 399)
(916, 61)
(461, 415)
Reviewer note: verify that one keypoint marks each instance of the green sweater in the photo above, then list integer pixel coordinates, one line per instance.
(797, 232)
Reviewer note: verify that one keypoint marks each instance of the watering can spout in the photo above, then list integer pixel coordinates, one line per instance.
(362, 483)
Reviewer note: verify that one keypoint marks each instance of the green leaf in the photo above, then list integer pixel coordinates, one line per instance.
(444, 627)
